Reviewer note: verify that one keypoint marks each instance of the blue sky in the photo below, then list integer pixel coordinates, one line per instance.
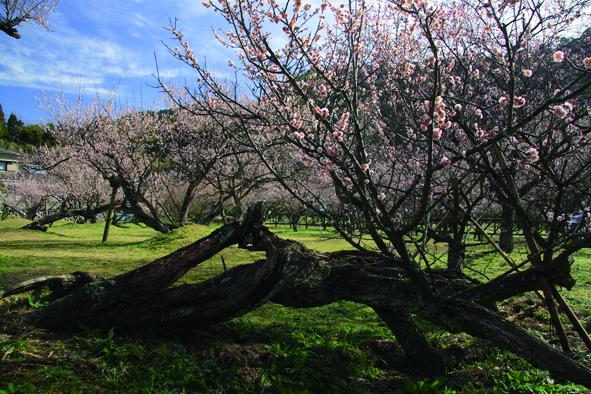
(102, 47)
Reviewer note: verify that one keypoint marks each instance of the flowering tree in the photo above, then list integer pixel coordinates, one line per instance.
(194, 148)
(27, 196)
(15, 12)
(159, 161)
(398, 105)
(47, 192)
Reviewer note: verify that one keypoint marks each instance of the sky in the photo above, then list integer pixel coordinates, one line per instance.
(103, 47)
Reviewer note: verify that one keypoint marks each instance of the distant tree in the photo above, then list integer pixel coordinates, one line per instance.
(3, 130)
(15, 12)
(13, 127)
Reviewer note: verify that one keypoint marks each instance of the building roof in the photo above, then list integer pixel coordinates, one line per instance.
(8, 155)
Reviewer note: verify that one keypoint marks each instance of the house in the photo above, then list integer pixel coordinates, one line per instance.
(8, 161)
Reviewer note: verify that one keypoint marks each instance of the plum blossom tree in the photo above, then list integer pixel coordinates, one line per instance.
(152, 157)
(195, 149)
(387, 102)
(46, 192)
(16, 12)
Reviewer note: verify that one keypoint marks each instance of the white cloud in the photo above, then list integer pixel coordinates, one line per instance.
(102, 45)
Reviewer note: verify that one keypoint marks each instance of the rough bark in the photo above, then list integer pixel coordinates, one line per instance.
(110, 212)
(295, 276)
(59, 285)
(412, 339)
(506, 236)
(83, 305)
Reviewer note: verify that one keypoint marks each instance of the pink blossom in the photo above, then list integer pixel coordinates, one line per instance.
(338, 134)
(458, 107)
(558, 56)
(342, 124)
(527, 73)
(381, 196)
(445, 160)
(587, 63)
(365, 167)
(296, 123)
(324, 112)
(532, 154)
(560, 218)
(559, 111)
(347, 181)
(518, 101)
(437, 134)
(298, 136)
(503, 101)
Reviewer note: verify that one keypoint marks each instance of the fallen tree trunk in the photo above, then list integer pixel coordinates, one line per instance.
(58, 285)
(294, 276)
(42, 223)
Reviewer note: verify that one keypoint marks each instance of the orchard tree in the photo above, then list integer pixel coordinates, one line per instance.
(54, 186)
(158, 160)
(193, 147)
(120, 146)
(388, 103)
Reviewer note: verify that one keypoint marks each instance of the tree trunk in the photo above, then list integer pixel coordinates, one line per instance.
(294, 276)
(41, 223)
(412, 339)
(110, 214)
(506, 236)
(187, 199)
(455, 256)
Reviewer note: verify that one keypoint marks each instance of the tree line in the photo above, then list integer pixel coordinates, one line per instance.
(15, 135)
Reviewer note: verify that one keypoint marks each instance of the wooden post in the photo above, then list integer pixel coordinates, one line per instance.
(572, 317)
(554, 318)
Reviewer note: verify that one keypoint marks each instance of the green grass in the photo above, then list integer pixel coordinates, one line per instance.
(343, 347)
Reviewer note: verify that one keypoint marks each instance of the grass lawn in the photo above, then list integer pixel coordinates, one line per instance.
(342, 347)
